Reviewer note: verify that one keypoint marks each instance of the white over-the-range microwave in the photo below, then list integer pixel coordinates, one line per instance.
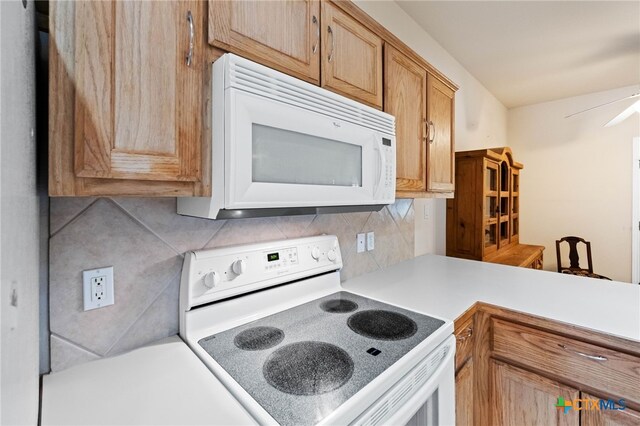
(284, 146)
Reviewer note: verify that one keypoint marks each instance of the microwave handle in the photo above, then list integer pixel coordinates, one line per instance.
(381, 164)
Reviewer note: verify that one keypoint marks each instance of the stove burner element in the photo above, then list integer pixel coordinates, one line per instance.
(382, 325)
(338, 306)
(308, 368)
(258, 338)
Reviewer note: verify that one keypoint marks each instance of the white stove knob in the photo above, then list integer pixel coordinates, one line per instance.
(212, 279)
(239, 266)
(332, 255)
(315, 253)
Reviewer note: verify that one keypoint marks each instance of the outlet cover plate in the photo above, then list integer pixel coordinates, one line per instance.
(98, 281)
(360, 243)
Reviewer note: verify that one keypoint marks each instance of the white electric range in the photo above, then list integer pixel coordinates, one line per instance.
(272, 322)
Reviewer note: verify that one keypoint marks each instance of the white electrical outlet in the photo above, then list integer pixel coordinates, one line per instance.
(370, 241)
(98, 288)
(360, 245)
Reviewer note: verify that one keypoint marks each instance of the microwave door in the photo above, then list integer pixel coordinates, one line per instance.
(281, 156)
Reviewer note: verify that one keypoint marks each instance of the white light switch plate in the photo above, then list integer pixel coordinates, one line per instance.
(370, 241)
(360, 243)
(98, 288)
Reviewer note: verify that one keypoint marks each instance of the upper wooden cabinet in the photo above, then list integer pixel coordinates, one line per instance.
(130, 115)
(424, 109)
(440, 149)
(405, 97)
(284, 35)
(292, 35)
(124, 104)
(351, 57)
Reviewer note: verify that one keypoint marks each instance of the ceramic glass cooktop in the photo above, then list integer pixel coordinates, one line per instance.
(303, 363)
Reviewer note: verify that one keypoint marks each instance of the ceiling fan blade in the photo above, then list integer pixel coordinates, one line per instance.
(635, 107)
(607, 103)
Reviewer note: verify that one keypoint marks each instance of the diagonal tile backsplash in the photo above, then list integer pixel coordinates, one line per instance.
(144, 238)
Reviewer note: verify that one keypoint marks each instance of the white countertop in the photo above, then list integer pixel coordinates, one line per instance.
(166, 384)
(160, 384)
(447, 287)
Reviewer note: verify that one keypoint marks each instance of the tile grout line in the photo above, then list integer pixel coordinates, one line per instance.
(303, 231)
(160, 293)
(73, 218)
(145, 226)
(399, 227)
(214, 234)
(74, 344)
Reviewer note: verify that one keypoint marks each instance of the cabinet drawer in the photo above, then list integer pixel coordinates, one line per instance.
(604, 370)
(464, 342)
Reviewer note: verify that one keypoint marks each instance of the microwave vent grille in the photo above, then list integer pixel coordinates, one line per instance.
(257, 79)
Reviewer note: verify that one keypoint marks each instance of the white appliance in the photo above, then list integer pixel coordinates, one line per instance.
(273, 324)
(284, 146)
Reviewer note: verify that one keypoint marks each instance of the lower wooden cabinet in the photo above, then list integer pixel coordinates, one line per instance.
(626, 417)
(464, 394)
(521, 367)
(520, 397)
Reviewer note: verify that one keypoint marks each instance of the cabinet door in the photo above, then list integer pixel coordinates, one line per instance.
(464, 394)
(440, 150)
(405, 91)
(522, 398)
(284, 35)
(626, 417)
(138, 104)
(351, 57)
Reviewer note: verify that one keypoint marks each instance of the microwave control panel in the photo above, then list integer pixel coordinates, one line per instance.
(389, 172)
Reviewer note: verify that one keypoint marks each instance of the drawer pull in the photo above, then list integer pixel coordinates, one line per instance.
(463, 337)
(593, 357)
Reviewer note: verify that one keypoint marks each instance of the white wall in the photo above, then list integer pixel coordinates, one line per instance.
(577, 177)
(481, 120)
(19, 219)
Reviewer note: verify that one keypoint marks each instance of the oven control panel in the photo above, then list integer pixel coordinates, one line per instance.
(210, 275)
(281, 259)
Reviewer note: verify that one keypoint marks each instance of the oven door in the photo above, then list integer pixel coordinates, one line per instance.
(425, 396)
(280, 155)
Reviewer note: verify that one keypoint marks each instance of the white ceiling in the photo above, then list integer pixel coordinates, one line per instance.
(526, 52)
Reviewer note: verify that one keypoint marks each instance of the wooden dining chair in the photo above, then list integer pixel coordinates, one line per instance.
(574, 261)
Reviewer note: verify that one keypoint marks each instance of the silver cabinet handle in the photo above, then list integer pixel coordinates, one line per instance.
(426, 130)
(432, 131)
(593, 357)
(314, 49)
(333, 43)
(463, 337)
(192, 34)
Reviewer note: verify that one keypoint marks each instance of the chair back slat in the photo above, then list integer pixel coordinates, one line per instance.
(574, 259)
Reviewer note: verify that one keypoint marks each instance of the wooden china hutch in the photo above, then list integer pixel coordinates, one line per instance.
(483, 220)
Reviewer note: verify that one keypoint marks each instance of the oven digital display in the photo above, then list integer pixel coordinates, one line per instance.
(386, 142)
(271, 257)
